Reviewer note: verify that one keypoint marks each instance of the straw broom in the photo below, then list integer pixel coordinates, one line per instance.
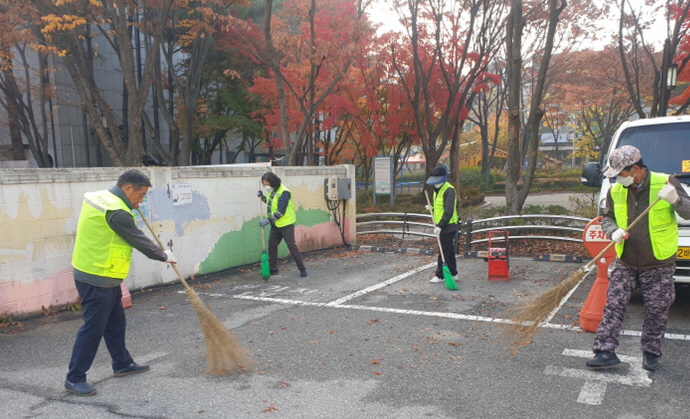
(224, 354)
(526, 320)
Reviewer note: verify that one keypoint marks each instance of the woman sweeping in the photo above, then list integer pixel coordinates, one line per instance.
(280, 211)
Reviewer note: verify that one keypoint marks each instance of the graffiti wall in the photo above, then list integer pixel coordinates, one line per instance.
(208, 216)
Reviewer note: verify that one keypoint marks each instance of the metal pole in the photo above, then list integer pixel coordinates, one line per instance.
(663, 88)
(468, 235)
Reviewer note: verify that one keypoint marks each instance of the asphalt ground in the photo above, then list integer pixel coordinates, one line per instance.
(364, 336)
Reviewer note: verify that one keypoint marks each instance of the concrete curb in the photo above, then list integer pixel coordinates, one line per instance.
(376, 249)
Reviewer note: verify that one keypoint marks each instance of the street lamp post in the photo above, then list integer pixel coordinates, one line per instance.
(667, 82)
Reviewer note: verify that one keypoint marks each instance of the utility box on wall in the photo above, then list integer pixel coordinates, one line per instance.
(344, 188)
(336, 189)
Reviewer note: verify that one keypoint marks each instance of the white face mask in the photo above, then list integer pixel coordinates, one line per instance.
(268, 189)
(625, 181)
(438, 186)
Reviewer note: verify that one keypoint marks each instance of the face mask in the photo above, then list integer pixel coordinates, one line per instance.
(268, 189)
(625, 181)
(438, 186)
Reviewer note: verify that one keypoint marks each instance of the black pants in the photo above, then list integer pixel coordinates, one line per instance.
(278, 234)
(448, 253)
(104, 318)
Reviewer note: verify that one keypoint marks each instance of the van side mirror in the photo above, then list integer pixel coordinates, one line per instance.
(591, 174)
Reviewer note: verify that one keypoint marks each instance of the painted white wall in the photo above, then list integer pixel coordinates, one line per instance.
(39, 209)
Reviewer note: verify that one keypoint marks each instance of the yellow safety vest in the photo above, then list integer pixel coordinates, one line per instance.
(98, 250)
(663, 225)
(438, 205)
(289, 217)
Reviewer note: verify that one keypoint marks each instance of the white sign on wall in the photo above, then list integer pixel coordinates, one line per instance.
(182, 194)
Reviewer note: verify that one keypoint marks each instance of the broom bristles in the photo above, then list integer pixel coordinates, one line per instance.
(448, 278)
(224, 354)
(525, 320)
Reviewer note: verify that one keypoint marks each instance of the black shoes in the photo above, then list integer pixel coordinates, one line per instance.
(80, 389)
(604, 359)
(273, 272)
(303, 273)
(650, 362)
(133, 368)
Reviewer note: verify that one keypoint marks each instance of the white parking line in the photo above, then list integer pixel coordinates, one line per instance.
(372, 288)
(339, 303)
(595, 382)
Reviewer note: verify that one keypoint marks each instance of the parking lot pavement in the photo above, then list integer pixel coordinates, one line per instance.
(364, 336)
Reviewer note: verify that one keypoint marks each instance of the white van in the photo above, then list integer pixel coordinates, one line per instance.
(665, 146)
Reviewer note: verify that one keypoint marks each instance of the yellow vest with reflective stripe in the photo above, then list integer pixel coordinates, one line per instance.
(98, 250)
(289, 217)
(663, 225)
(438, 205)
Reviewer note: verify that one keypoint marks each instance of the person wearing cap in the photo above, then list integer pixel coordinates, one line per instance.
(445, 218)
(646, 255)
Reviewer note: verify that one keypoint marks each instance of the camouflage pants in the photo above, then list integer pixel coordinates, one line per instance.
(658, 293)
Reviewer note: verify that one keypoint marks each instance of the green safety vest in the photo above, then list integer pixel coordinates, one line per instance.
(289, 217)
(663, 225)
(438, 205)
(98, 250)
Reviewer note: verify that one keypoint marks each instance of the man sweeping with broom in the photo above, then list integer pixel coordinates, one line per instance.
(445, 214)
(646, 254)
(106, 234)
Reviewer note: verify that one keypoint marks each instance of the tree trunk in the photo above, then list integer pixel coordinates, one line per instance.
(514, 79)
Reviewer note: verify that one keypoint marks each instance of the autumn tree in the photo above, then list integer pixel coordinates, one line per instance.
(307, 48)
(379, 116)
(443, 56)
(594, 92)
(71, 29)
(645, 68)
(549, 23)
(25, 89)
(486, 113)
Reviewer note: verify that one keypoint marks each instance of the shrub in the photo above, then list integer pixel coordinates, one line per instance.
(472, 176)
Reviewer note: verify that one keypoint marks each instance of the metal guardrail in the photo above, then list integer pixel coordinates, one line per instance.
(400, 187)
(518, 223)
(404, 224)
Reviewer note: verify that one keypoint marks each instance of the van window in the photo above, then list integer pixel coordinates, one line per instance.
(663, 147)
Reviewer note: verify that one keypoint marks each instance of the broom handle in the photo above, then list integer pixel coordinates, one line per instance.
(612, 243)
(174, 265)
(261, 213)
(440, 248)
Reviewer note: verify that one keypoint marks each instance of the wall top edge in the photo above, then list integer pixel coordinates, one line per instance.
(95, 174)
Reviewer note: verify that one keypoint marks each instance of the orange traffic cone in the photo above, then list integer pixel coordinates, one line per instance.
(595, 242)
(126, 296)
(593, 310)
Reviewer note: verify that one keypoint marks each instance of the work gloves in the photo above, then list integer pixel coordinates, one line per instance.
(260, 194)
(264, 223)
(619, 235)
(429, 208)
(169, 257)
(669, 194)
(437, 230)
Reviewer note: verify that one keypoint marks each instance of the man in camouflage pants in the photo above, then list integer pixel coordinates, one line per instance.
(646, 254)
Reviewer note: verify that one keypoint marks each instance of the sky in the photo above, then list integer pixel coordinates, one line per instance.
(381, 12)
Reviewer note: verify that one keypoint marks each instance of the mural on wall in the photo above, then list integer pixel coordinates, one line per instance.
(27, 238)
(210, 219)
